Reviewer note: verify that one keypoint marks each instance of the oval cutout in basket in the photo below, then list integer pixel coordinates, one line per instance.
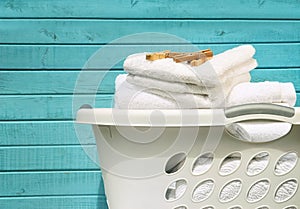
(258, 163)
(230, 164)
(230, 191)
(176, 190)
(286, 163)
(203, 190)
(202, 163)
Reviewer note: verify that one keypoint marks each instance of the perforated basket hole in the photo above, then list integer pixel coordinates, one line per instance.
(230, 164)
(175, 163)
(203, 163)
(286, 163)
(181, 207)
(208, 207)
(258, 163)
(230, 191)
(203, 190)
(263, 207)
(176, 190)
(258, 191)
(286, 190)
(235, 207)
(291, 207)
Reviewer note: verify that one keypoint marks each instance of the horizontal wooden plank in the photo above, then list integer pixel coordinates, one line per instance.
(47, 107)
(104, 31)
(76, 56)
(22, 184)
(41, 133)
(50, 107)
(33, 158)
(150, 9)
(60, 202)
(281, 75)
(57, 82)
(63, 82)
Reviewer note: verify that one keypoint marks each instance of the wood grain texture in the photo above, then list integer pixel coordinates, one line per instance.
(57, 82)
(281, 75)
(63, 82)
(45, 107)
(76, 56)
(104, 31)
(20, 133)
(150, 9)
(25, 184)
(57, 202)
(41, 158)
(44, 44)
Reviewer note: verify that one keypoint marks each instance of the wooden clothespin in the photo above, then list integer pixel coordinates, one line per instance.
(157, 55)
(193, 58)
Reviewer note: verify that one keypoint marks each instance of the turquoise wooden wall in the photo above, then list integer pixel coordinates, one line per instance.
(44, 45)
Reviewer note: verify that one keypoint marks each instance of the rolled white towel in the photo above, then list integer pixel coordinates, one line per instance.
(205, 74)
(262, 92)
(259, 131)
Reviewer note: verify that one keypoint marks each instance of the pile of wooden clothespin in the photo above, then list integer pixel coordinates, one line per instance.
(192, 58)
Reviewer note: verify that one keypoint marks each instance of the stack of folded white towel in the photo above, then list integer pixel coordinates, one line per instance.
(221, 82)
(164, 84)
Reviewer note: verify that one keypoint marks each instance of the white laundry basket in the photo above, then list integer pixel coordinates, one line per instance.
(137, 148)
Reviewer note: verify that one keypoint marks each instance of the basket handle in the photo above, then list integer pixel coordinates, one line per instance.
(259, 108)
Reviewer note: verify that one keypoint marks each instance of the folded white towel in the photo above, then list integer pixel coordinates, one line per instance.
(205, 74)
(262, 92)
(259, 131)
(178, 87)
(129, 96)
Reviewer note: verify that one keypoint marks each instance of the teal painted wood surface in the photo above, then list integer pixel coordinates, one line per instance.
(44, 44)
(43, 158)
(282, 9)
(104, 31)
(63, 82)
(39, 133)
(46, 107)
(76, 56)
(57, 202)
(57, 82)
(55, 183)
